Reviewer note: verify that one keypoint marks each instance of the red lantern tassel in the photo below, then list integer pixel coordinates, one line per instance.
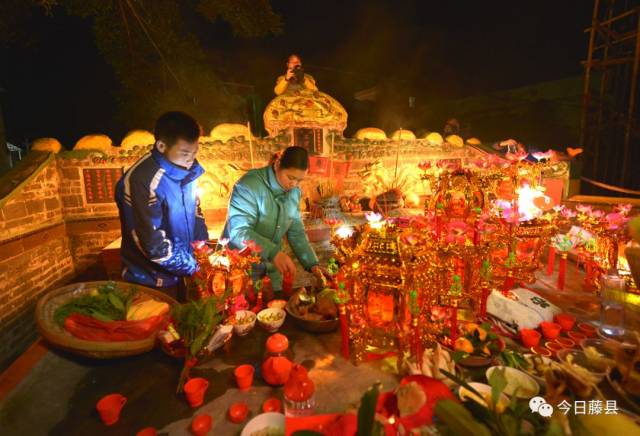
(562, 271)
(509, 282)
(551, 261)
(344, 330)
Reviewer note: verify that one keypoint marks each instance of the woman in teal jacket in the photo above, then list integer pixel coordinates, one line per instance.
(264, 207)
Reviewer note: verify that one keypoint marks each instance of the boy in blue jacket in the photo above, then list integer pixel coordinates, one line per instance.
(159, 212)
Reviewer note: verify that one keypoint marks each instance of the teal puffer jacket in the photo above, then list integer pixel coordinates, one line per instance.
(261, 211)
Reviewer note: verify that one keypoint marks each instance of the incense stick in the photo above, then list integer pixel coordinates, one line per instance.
(250, 143)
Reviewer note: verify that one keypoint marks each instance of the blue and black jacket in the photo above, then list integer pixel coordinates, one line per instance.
(160, 218)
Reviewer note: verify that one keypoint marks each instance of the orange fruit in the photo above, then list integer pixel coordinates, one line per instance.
(463, 344)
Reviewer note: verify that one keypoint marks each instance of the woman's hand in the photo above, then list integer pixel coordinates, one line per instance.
(321, 274)
(284, 264)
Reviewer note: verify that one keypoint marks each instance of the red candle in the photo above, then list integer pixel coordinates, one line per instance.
(344, 330)
(287, 285)
(562, 271)
(483, 299)
(454, 324)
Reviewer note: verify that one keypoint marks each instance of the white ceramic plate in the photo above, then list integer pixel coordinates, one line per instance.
(525, 384)
(264, 420)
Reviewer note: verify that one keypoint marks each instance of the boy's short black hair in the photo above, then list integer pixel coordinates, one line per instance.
(174, 126)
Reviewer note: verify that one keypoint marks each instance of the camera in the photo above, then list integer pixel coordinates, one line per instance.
(298, 75)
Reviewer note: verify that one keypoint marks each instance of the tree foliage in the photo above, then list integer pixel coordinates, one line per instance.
(157, 58)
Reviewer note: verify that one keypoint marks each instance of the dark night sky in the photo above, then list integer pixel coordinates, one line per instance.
(61, 87)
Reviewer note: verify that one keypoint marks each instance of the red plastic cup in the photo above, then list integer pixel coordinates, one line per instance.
(194, 390)
(147, 431)
(109, 408)
(201, 424)
(238, 412)
(541, 351)
(287, 285)
(272, 405)
(244, 376)
(554, 347)
(529, 337)
(565, 320)
(587, 329)
(550, 330)
(565, 342)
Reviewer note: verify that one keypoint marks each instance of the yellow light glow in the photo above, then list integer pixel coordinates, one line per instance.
(344, 232)
(527, 197)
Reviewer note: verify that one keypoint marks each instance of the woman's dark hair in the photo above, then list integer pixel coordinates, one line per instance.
(174, 126)
(294, 157)
(294, 55)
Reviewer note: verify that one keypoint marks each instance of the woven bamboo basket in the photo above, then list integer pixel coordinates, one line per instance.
(57, 336)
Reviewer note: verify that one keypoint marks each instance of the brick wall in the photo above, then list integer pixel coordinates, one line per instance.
(34, 205)
(29, 266)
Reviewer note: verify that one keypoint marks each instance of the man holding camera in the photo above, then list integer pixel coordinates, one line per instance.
(294, 78)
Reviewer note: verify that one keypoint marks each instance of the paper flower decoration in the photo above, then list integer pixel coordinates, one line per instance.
(562, 243)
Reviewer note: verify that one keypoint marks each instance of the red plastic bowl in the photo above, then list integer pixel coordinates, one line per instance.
(272, 405)
(238, 412)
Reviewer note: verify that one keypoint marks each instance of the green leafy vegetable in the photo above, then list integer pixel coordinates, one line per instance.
(107, 303)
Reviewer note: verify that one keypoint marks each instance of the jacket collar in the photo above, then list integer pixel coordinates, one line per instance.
(175, 172)
(273, 183)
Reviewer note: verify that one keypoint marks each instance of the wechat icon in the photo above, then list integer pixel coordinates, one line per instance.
(540, 405)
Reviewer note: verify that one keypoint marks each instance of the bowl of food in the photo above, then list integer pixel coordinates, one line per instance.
(280, 304)
(484, 399)
(519, 383)
(265, 424)
(577, 363)
(244, 321)
(315, 313)
(538, 365)
(271, 319)
(601, 353)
